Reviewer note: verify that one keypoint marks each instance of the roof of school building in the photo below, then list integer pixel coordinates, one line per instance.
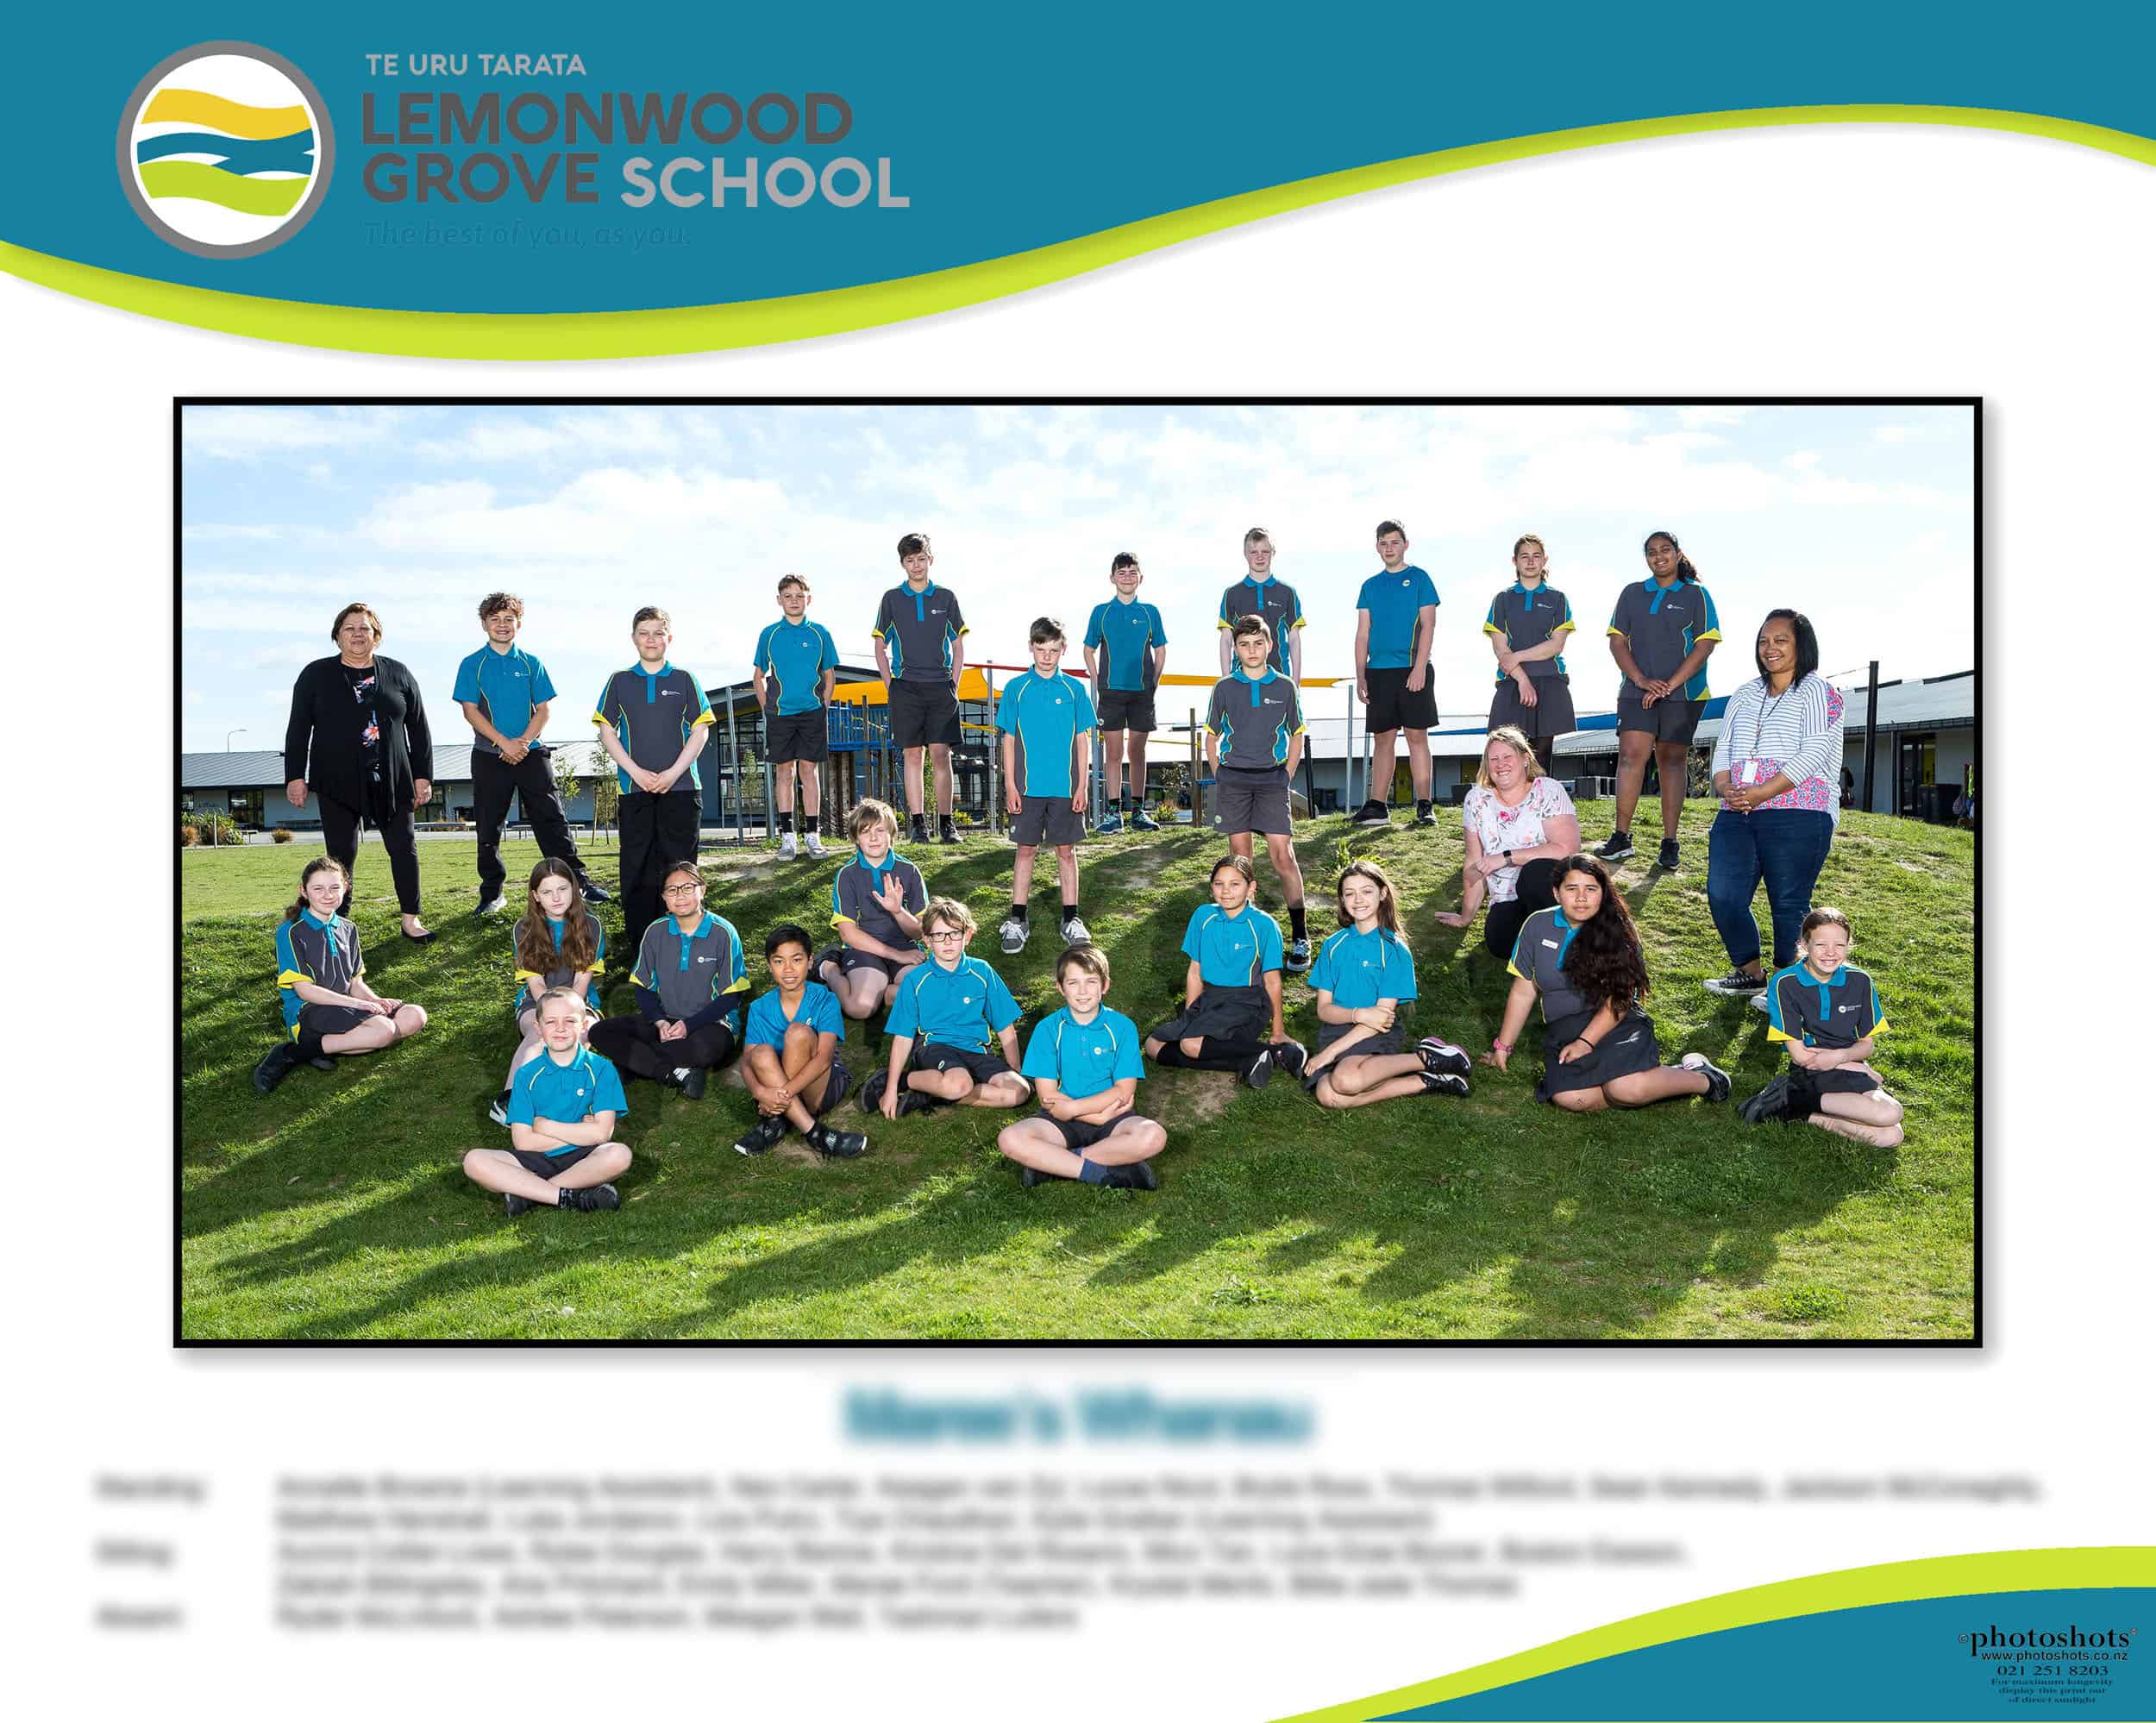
(264, 768)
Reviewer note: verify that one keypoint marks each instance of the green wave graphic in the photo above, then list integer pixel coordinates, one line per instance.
(217, 185)
(1816, 1593)
(704, 329)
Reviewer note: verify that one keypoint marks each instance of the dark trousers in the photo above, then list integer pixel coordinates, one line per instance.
(493, 782)
(656, 831)
(634, 1045)
(1786, 847)
(340, 837)
(1536, 889)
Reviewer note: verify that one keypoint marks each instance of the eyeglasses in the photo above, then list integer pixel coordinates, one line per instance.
(947, 933)
(676, 890)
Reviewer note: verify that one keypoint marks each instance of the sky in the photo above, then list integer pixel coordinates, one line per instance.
(1864, 519)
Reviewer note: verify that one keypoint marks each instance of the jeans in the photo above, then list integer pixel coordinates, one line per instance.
(1786, 847)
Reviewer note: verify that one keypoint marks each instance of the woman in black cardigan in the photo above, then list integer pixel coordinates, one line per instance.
(358, 737)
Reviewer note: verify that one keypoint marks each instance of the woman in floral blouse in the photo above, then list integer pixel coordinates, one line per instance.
(1520, 824)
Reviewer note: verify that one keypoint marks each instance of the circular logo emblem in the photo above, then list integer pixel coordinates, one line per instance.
(225, 149)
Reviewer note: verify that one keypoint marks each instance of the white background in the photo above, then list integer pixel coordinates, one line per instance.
(1812, 259)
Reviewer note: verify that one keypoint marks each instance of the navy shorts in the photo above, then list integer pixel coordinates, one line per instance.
(924, 714)
(1394, 705)
(1672, 718)
(1123, 709)
(797, 735)
(935, 1056)
(1079, 1134)
(542, 1166)
(322, 1019)
(850, 962)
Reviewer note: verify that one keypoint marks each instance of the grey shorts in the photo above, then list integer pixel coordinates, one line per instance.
(1222, 1014)
(1047, 819)
(797, 735)
(1551, 714)
(1244, 800)
(1672, 718)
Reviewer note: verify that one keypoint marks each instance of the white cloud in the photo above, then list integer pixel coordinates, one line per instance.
(255, 434)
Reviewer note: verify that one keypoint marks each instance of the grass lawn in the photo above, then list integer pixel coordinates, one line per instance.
(337, 1207)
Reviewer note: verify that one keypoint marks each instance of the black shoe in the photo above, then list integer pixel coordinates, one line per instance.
(592, 1197)
(426, 938)
(914, 1101)
(1373, 813)
(1770, 1106)
(1717, 1079)
(762, 1137)
(917, 830)
(1290, 1056)
(1441, 1057)
(323, 1062)
(594, 893)
(836, 1145)
(692, 1078)
(872, 1087)
(513, 1204)
(828, 955)
(1444, 1083)
(1424, 815)
(1030, 1176)
(1666, 857)
(500, 1110)
(276, 1064)
(947, 830)
(1259, 1071)
(1618, 847)
(1137, 1177)
(1740, 982)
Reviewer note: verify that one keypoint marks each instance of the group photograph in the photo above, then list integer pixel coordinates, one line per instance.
(1135, 871)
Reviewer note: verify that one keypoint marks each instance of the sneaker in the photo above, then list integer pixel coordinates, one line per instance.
(500, 1110)
(513, 1204)
(1290, 1056)
(593, 892)
(917, 830)
(762, 1137)
(837, 1146)
(947, 830)
(1759, 1003)
(1444, 1083)
(592, 1198)
(275, 1065)
(692, 1080)
(1076, 932)
(1372, 812)
(1738, 982)
(1031, 1176)
(788, 849)
(1297, 959)
(1665, 858)
(1770, 1106)
(1259, 1071)
(1425, 814)
(1137, 1177)
(828, 955)
(324, 1062)
(1109, 823)
(1440, 1058)
(1013, 933)
(1141, 821)
(1717, 1079)
(493, 905)
(814, 842)
(1618, 847)
(870, 1099)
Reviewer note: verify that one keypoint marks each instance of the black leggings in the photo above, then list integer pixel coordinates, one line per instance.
(340, 837)
(634, 1045)
(1537, 889)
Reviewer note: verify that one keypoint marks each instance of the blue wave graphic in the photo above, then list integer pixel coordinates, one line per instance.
(292, 155)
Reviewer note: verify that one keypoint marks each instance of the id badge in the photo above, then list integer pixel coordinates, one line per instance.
(1749, 773)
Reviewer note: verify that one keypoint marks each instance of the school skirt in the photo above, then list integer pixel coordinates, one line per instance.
(1551, 714)
(1628, 1047)
(1385, 1040)
(1222, 1014)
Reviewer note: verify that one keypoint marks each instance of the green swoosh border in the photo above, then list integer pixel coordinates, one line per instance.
(2001, 1570)
(758, 323)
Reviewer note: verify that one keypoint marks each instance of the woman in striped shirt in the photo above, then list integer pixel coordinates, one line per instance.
(1777, 768)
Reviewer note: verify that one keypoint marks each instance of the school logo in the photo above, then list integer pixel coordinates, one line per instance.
(225, 149)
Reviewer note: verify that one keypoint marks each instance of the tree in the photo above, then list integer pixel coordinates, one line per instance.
(748, 780)
(565, 779)
(605, 800)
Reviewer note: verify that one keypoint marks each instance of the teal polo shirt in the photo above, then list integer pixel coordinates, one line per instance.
(1232, 950)
(505, 686)
(1255, 718)
(1083, 1059)
(655, 713)
(1395, 603)
(1048, 714)
(1360, 969)
(568, 1093)
(960, 1008)
(768, 1023)
(1124, 635)
(795, 655)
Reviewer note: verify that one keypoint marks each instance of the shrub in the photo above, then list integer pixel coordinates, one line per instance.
(209, 828)
(188, 835)
(280, 835)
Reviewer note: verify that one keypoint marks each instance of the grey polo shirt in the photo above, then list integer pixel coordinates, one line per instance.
(689, 971)
(854, 897)
(1839, 1012)
(1255, 719)
(1662, 625)
(1522, 619)
(919, 630)
(1538, 954)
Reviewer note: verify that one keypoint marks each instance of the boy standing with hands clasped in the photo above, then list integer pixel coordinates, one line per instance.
(653, 720)
(1045, 717)
(1133, 643)
(796, 668)
(921, 654)
(1254, 733)
(1395, 619)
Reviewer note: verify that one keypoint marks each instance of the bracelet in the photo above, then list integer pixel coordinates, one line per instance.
(1501, 1046)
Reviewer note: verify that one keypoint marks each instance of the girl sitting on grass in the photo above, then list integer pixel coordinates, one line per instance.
(1363, 974)
(1827, 1013)
(1598, 1047)
(328, 1007)
(559, 943)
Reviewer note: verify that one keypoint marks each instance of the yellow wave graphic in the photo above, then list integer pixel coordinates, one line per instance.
(707, 329)
(219, 113)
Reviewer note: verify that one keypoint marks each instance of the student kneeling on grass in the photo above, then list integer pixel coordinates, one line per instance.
(563, 1107)
(1827, 1013)
(1598, 1047)
(557, 944)
(328, 1007)
(1230, 1018)
(1363, 974)
(1084, 1062)
(790, 1055)
(876, 901)
(942, 1015)
(691, 985)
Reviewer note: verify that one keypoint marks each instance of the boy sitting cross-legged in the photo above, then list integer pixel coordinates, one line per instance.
(790, 1055)
(942, 1015)
(1084, 1061)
